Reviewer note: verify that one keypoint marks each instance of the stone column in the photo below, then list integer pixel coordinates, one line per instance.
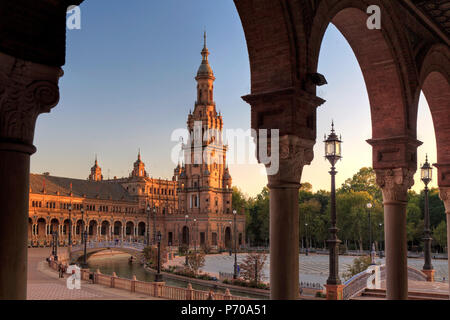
(294, 153)
(445, 196)
(395, 184)
(26, 90)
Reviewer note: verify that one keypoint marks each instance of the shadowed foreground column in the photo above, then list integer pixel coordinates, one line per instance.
(445, 196)
(284, 219)
(395, 184)
(26, 90)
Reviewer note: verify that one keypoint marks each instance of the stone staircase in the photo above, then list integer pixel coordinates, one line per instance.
(380, 294)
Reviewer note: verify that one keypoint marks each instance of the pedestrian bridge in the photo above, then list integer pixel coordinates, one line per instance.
(135, 249)
(373, 279)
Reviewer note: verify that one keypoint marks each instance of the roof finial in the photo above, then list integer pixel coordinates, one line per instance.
(332, 125)
(96, 162)
(204, 37)
(139, 154)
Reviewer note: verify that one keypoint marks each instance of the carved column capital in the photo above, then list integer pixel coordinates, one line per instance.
(395, 183)
(444, 194)
(294, 153)
(27, 89)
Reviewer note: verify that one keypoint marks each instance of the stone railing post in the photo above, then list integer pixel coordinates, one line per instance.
(26, 90)
(133, 284)
(96, 276)
(227, 295)
(189, 292)
(211, 295)
(395, 184)
(113, 277)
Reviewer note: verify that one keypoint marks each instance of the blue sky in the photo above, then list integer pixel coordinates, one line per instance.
(129, 82)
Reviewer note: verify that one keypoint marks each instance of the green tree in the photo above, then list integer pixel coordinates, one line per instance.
(363, 180)
(440, 235)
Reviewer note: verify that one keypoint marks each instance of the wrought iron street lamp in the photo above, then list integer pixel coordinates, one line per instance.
(158, 277)
(154, 224)
(55, 245)
(235, 274)
(427, 176)
(187, 239)
(381, 239)
(369, 206)
(85, 236)
(333, 153)
(70, 230)
(82, 225)
(147, 238)
(194, 231)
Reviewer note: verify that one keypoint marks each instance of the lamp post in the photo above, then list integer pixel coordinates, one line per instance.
(426, 176)
(369, 206)
(306, 238)
(82, 225)
(333, 154)
(158, 277)
(195, 234)
(154, 225)
(235, 274)
(70, 230)
(187, 239)
(55, 245)
(147, 240)
(381, 239)
(85, 236)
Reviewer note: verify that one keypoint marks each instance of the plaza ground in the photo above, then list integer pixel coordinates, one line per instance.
(44, 284)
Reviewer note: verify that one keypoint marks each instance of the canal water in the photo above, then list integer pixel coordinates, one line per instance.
(118, 263)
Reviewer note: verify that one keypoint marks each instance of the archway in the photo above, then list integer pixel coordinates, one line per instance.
(185, 236)
(435, 80)
(117, 228)
(228, 243)
(105, 228)
(141, 229)
(92, 232)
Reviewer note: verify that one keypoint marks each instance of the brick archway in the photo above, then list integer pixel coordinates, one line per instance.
(381, 57)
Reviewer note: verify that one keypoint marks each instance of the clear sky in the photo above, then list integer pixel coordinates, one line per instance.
(129, 82)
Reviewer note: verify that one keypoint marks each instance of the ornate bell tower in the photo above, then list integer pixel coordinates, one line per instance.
(205, 184)
(96, 172)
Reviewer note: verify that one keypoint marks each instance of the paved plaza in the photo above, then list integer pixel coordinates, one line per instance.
(313, 268)
(44, 284)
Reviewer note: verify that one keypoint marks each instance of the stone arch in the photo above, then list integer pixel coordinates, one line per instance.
(129, 229)
(117, 228)
(435, 84)
(274, 31)
(185, 235)
(381, 55)
(92, 226)
(228, 238)
(104, 230)
(141, 228)
(54, 225)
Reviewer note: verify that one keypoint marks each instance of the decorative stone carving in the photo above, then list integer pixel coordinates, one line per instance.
(395, 183)
(26, 90)
(294, 153)
(444, 194)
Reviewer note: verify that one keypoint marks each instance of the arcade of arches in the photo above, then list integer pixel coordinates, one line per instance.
(408, 55)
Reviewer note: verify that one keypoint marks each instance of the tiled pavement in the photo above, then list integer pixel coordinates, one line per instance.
(44, 284)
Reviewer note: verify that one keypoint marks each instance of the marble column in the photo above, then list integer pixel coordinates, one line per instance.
(445, 196)
(26, 90)
(395, 184)
(294, 153)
